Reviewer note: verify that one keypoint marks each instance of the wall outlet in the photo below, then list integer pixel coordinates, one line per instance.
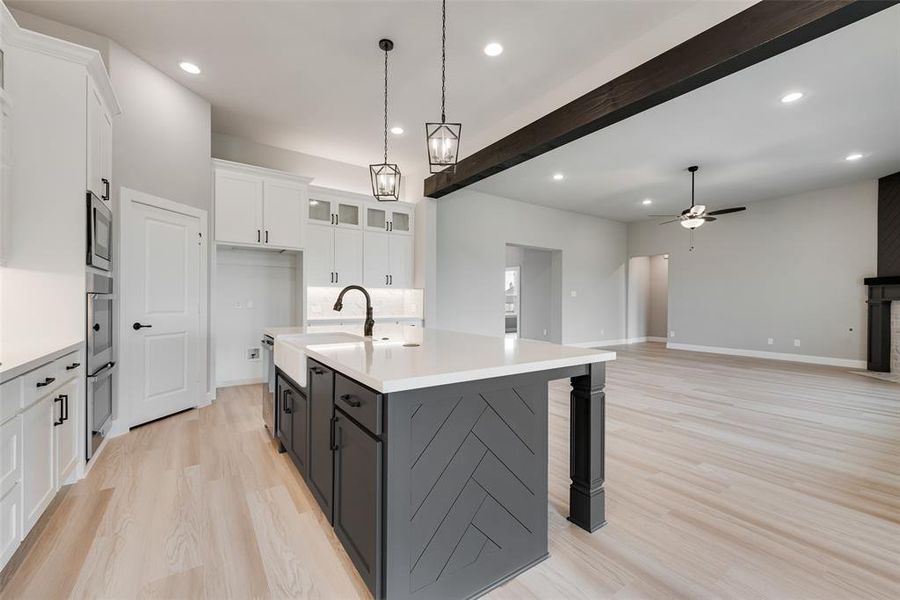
(252, 353)
(545, 332)
(602, 331)
(573, 293)
(771, 341)
(237, 304)
(797, 343)
(672, 333)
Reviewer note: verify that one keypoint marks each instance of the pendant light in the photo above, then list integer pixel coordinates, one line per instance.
(385, 176)
(443, 138)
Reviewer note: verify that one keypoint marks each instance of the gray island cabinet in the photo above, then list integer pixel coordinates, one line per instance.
(430, 459)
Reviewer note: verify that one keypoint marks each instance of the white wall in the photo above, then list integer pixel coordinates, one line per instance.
(789, 268)
(255, 289)
(658, 309)
(472, 232)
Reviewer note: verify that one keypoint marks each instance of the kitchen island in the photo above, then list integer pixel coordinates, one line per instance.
(427, 452)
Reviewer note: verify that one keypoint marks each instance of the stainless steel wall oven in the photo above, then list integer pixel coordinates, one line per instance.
(99, 357)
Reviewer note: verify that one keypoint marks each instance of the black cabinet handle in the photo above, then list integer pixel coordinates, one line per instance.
(318, 370)
(385, 280)
(351, 400)
(267, 236)
(106, 185)
(334, 421)
(391, 226)
(65, 398)
(136, 326)
(337, 277)
(258, 236)
(60, 422)
(73, 366)
(390, 280)
(47, 381)
(284, 404)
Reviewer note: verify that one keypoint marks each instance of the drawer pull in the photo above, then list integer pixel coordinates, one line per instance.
(351, 401)
(47, 381)
(73, 366)
(318, 370)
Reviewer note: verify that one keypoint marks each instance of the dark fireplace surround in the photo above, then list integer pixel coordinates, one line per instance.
(885, 288)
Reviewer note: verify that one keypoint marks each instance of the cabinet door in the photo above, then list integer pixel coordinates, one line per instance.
(401, 221)
(377, 219)
(10, 536)
(376, 260)
(319, 255)
(401, 261)
(347, 215)
(357, 498)
(284, 422)
(106, 139)
(95, 132)
(282, 213)
(321, 457)
(239, 208)
(299, 428)
(66, 440)
(10, 454)
(348, 256)
(38, 483)
(319, 212)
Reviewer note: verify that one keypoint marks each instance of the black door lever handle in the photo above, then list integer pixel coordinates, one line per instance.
(137, 326)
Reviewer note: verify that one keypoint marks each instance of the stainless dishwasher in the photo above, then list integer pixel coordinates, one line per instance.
(268, 388)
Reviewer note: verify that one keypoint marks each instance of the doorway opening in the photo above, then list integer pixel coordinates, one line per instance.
(533, 293)
(648, 298)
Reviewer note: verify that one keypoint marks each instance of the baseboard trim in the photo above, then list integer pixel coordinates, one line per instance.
(783, 356)
(620, 342)
(236, 382)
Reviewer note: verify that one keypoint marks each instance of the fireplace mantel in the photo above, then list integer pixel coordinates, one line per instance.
(882, 291)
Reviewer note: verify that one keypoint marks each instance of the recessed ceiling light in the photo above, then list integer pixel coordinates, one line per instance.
(397, 130)
(189, 67)
(647, 201)
(493, 49)
(558, 176)
(792, 97)
(853, 156)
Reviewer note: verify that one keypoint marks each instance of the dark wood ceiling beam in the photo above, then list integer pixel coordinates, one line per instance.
(751, 36)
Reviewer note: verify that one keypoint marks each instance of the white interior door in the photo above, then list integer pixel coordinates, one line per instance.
(162, 365)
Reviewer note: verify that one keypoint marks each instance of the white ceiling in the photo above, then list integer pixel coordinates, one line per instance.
(749, 145)
(307, 75)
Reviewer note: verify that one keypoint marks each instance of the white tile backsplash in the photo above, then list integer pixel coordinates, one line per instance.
(393, 303)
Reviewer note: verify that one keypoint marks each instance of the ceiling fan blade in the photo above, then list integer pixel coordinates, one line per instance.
(663, 216)
(708, 218)
(725, 211)
(672, 221)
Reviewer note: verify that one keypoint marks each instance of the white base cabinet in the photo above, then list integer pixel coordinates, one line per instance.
(42, 443)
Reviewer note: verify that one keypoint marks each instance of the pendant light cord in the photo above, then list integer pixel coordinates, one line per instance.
(385, 104)
(443, 61)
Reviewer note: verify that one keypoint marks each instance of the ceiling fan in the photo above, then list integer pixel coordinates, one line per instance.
(695, 216)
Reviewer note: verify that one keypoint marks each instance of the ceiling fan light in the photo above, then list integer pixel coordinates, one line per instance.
(692, 223)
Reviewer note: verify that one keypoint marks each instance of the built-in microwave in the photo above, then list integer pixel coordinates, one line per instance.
(99, 232)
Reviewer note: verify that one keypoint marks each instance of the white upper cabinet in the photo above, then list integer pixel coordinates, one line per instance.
(377, 262)
(239, 208)
(401, 261)
(397, 219)
(99, 143)
(259, 207)
(324, 209)
(318, 267)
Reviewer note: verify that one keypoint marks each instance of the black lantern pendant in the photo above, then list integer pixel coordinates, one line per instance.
(386, 176)
(443, 138)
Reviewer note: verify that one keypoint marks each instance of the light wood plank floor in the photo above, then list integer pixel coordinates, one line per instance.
(726, 478)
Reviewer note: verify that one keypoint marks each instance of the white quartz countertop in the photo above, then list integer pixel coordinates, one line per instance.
(441, 357)
(19, 361)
